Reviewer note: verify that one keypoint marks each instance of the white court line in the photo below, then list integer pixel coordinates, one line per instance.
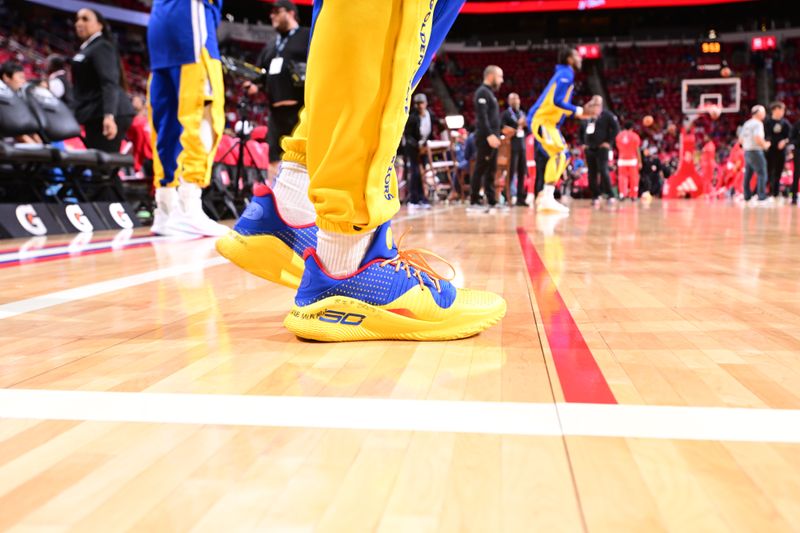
(52, 299)
(489, 418)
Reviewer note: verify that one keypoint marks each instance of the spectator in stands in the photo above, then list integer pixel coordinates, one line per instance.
(515, 118)
(57, 79)
(285, 63)
(754, 144)
(487, 138)
(13, 75)
(139, 135)
(419, 128)
(776, 130)
(597, 134)
(101, 104)
(795, 140)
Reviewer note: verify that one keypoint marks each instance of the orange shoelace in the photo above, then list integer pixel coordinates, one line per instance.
(414, 261)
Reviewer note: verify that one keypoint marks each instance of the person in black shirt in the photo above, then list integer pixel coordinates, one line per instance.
(794, 138)
(487, 137)
(776, 131)
(101, 104)
(653, 173)
(518, 166)
(597, 135)
(285, 65)
(419, 129)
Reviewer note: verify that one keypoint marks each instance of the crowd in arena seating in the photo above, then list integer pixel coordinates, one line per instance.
(638, 81)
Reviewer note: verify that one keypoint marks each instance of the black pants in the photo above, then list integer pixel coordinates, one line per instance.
(280, 123)
(599, 179)
(518, 168)
(94, 134)
(485, 167)
(414, 182)
(776, 160)
(796, 174)
(541, 164)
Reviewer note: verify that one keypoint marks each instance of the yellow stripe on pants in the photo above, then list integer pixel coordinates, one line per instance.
(553, 143)
(201, 99)
(362, 59)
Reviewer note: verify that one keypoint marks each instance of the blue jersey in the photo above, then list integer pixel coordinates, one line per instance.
(555, 102)
(179, 30)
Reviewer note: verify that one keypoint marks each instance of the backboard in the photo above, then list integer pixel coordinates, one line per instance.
(697, 94)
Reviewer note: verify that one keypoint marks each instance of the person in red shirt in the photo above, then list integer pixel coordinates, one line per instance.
(629, 161)
(708, 164)
(139, 135)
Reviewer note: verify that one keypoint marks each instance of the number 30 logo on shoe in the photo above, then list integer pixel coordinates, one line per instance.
(338, 317)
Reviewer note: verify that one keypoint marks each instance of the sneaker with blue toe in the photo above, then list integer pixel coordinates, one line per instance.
(264, 244)
(395, 294)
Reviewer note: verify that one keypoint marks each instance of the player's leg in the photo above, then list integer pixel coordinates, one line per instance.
(623, 179)
(358, 284)
(634, 183)
(201, 112)
(556, 148)
(165, 132)
(748, 175)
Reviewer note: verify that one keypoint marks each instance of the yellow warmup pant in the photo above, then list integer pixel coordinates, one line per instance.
(186, 105)
(553, 143)
(361, 64)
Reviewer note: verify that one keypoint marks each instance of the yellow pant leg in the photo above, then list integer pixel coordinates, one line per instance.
(363, 57)
(553, 143)
(201, 112)
(294, 146)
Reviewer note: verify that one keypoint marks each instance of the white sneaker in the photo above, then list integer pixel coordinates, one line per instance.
(549, 204)
(167, 204)
(476, 208)
(414, 207)
(191, 218)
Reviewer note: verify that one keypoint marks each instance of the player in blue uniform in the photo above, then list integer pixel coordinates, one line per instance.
(186, 99)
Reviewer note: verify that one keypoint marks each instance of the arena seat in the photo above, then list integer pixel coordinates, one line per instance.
(16, 117)
(27, 153)
(56, 121)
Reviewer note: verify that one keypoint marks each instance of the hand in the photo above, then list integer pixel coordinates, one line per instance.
(605, 145)
(782, 144)
(493, 141)
(767, 144)
(250, 88)
(109, 127)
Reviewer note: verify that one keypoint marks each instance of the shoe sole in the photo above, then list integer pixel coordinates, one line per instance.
(342, 319)
(264, 256)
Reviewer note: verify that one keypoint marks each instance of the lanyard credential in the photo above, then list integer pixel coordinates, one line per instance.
(281, 43)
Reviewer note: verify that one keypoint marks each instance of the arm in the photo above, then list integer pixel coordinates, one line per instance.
(482, 125)
(106, 64)
(759, 137)
(562, 97)
(614, 130)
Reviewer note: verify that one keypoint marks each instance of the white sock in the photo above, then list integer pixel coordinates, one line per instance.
(342, 254)
(291, 192)
(549, 191)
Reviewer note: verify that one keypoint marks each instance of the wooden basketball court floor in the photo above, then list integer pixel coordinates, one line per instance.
(646, 378)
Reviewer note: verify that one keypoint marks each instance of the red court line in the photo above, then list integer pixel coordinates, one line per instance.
(65, 255)
(580, 377)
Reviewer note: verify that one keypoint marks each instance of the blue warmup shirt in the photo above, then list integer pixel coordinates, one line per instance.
(179, 30)
(555, 102)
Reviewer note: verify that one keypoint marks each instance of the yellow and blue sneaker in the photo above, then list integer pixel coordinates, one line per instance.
(263, 244)
(395, 294)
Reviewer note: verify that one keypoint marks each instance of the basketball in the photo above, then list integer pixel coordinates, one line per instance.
(725, 72)
(714, 111)
(648, 121)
